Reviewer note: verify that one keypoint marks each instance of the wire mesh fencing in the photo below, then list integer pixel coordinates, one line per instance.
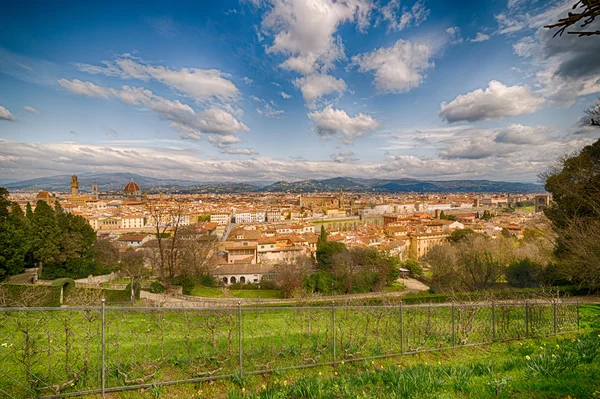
(61, 352)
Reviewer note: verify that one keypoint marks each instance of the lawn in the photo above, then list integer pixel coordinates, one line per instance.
(394, 287)
(218, 292)
(540, 368)
(161, 344)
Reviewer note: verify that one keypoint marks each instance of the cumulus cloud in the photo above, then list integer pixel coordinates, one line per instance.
(524, 163)
(305, 31)
(212, 120)
(520, 134)
(313, 87)
(397, 69)
(496, 101)
(201, 84)
(344, 156)
(566, 66)
(399, 20)
(190, 123)
(331, 122)
(6, 115)
(31, 109)
(223, 143)
(480, 37)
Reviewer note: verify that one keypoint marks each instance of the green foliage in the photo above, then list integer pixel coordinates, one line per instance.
(460, 235)
(575, 213)
(186, 282)
(325, 252)
(203, 218)
(137, 287)
(120, 296)
(156, 287)
(415, 268)
(524, 273)
(66, 283)
(13, 237)
(486, 215)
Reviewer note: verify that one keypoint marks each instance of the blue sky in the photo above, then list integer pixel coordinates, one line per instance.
(292, 89)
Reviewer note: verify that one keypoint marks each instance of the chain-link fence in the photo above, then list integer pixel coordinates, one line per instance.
(60, 352)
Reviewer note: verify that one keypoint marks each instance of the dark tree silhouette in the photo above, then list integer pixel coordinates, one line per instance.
(586, 13)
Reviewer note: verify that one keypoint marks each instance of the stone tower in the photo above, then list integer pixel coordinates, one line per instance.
(74, 186)
(95, 190)
(341, 200)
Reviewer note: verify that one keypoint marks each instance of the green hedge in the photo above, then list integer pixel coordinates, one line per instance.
(17, 295)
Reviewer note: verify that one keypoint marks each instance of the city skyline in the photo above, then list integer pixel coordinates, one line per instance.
(293, 90)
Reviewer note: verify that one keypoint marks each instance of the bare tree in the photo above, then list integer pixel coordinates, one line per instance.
(587, 11)
(167, 218)
(290, 275)
(593, 115)
(132, 265)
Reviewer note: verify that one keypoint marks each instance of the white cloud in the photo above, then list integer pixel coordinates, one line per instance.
(201, 84)
(188, 122)
(304, 30)
(398, 69)
(84, 88)
(344, 156)
(454, 36)
(331, 122)
(480, 37)
(397, 21)
(285, 95)
(31, 109)
(247, 80)
(565, 67)
(269, 111)
(313, 87)
(28, 160)
(6, 115)
(496, 101)
(520, 134)
(223, 143)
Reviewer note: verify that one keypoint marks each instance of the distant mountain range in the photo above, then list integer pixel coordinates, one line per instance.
(116, 182)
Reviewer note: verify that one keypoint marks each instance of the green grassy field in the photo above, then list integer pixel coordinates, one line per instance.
(62, 347)
(218, 292)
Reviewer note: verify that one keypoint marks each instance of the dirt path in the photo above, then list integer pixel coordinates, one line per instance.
(413, 285)
(23, 278)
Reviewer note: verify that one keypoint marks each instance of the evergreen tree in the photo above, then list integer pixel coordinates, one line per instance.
(442, 215)
(44, 235)
(13, 241)
(29, 212)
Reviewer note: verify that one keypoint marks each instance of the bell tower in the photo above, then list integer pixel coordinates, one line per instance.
(74, 186)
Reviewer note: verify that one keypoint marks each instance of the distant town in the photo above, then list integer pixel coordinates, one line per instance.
(257, 231)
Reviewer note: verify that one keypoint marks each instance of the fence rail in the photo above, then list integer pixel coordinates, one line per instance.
(62, 352)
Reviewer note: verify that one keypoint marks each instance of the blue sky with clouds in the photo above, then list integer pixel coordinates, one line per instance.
(292, 89)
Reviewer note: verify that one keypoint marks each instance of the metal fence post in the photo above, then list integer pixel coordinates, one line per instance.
(103, 372)
(453, 327)
(526, 319)
(555, 324)
(577, 314)
(333, 331)
(493, 322)
(240, 337)
(401, 330)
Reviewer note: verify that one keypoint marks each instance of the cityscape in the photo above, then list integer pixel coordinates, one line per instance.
(300, 199)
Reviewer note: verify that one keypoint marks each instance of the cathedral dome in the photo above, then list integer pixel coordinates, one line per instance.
(132, 187)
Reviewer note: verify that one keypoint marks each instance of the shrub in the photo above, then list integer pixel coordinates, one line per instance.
(524, 273)
(415, 268)
(136, 289)
(185, 282)
(156, 287)
(66, 283)
(16, 295)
